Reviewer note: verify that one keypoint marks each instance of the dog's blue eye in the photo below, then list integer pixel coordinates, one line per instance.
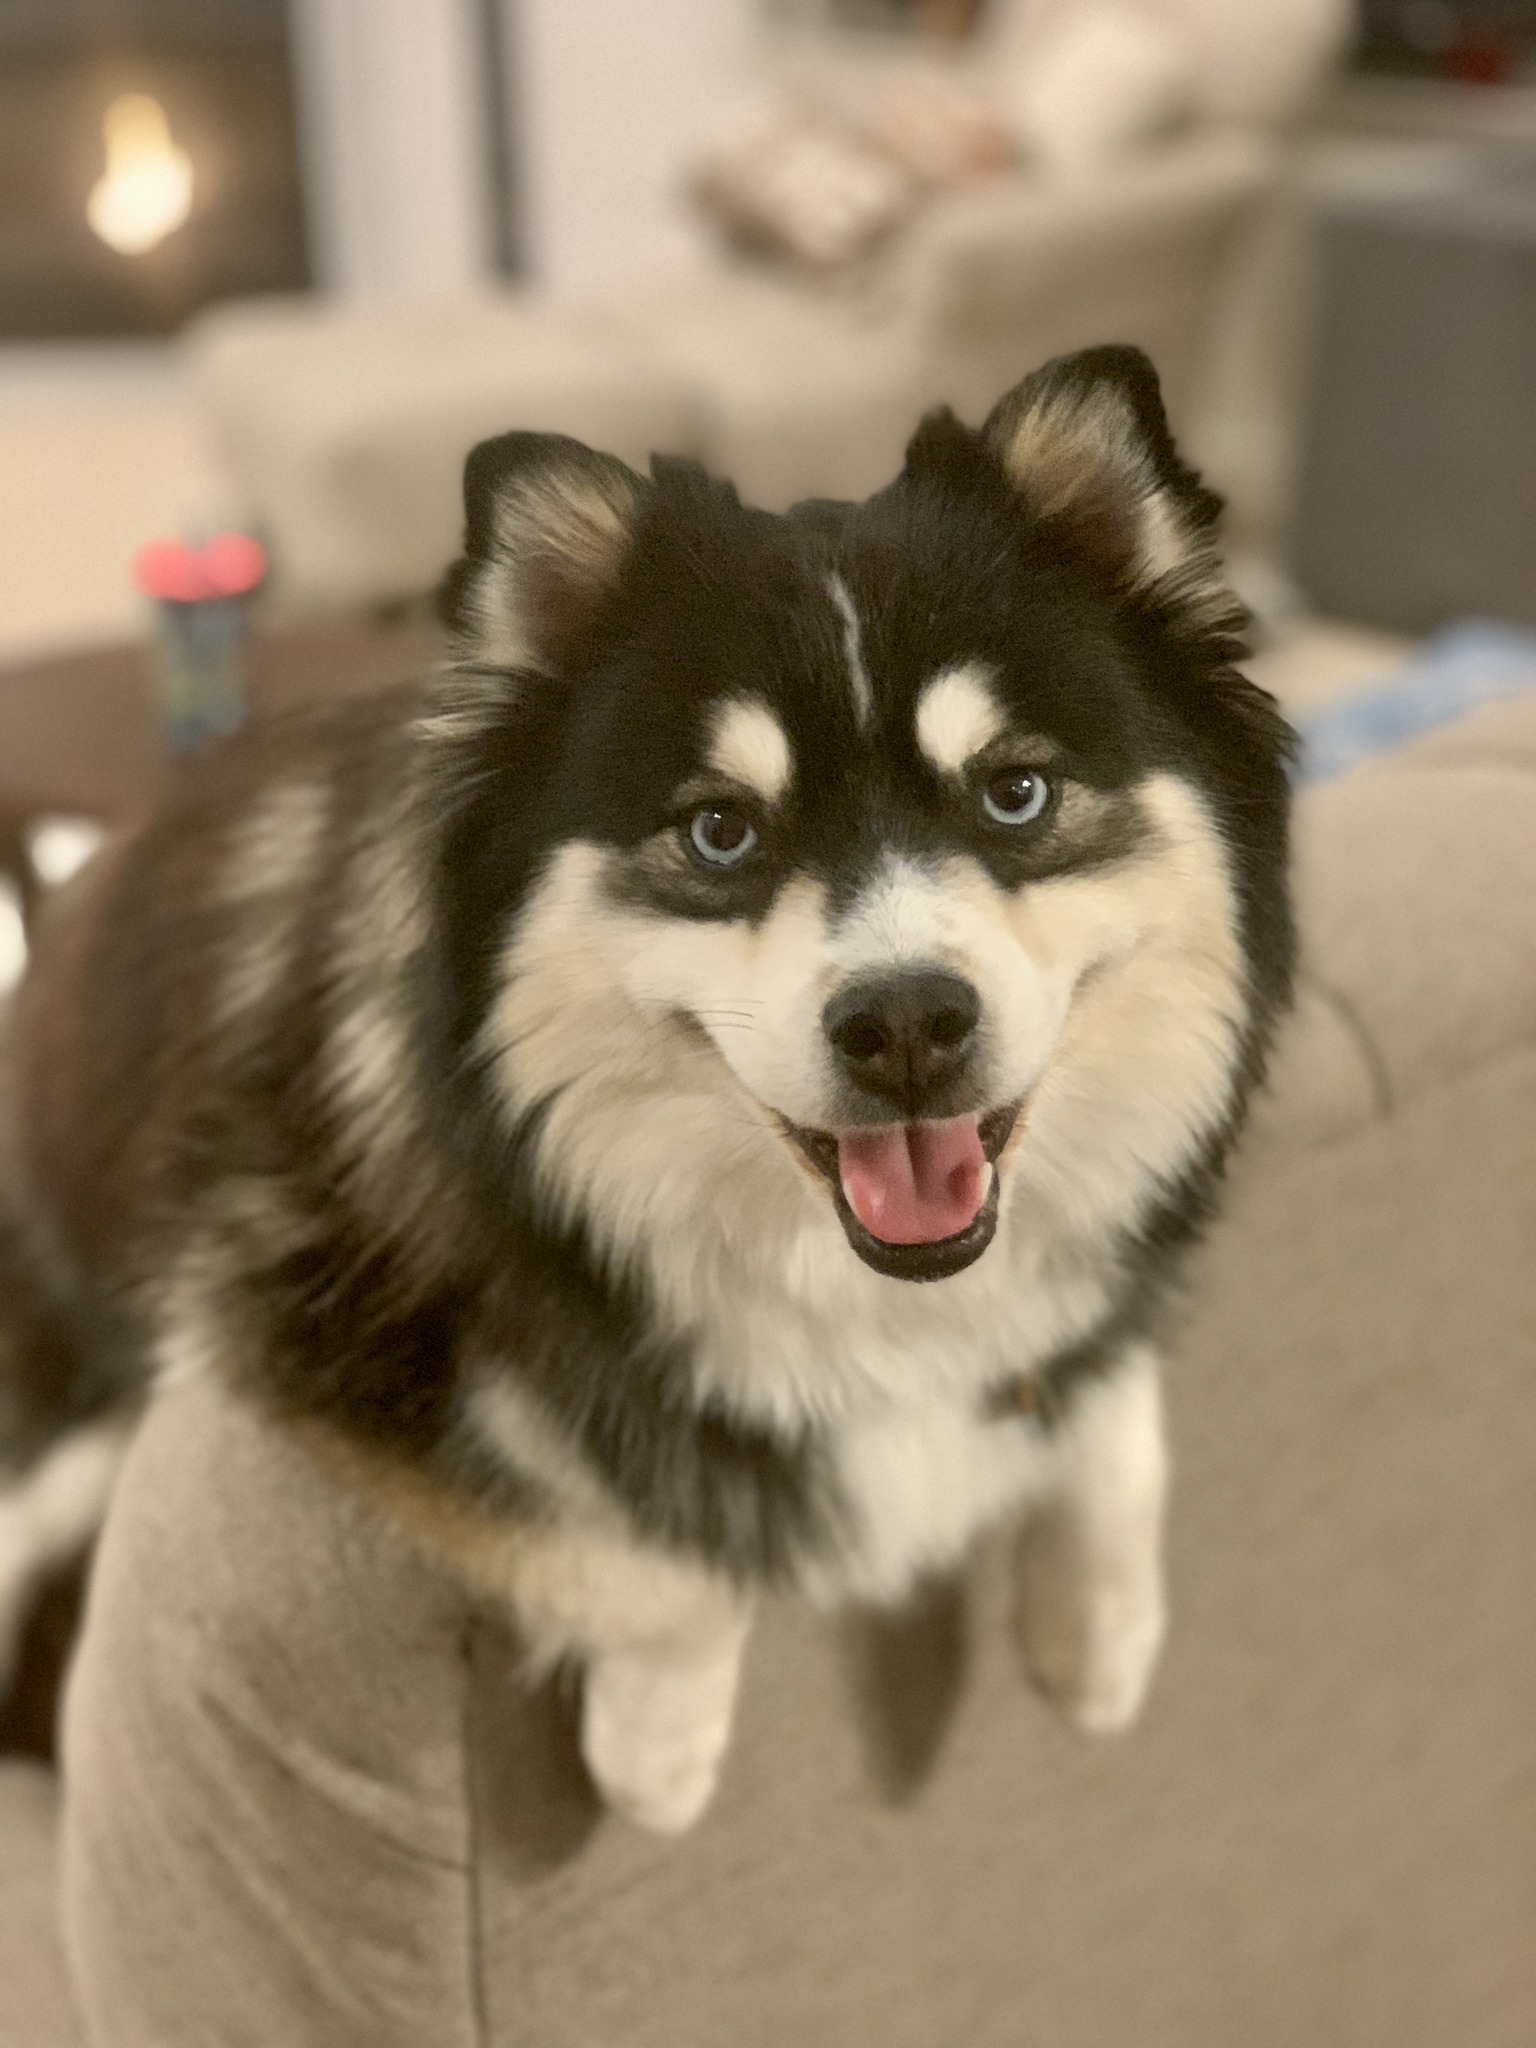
(1016, 798)
(722, 835)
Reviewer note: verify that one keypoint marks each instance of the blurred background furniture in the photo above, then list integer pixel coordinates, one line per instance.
(1416, 498)
(344, 426)
(310, 1798)
(345, 429)
(78, 733)
(79, 738)
(797, 395)
(339, 418)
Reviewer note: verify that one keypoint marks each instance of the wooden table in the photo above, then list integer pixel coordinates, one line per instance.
(78, 732)
(78, 736)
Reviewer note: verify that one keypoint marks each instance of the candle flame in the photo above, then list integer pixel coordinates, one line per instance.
(145, 193)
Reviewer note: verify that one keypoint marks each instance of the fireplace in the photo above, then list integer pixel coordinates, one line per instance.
(149, 162)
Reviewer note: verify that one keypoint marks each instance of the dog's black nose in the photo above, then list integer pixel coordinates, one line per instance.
(902, 1036)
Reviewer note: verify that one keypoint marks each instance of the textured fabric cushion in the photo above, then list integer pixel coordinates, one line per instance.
(269, 1839)
(1322, 1832)
(1416, 876)
(1501, 735)
(1323, 1080)
(35, 2005)
(792, 392)
(347, 426)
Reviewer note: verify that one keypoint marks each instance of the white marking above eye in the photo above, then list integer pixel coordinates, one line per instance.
(958, 715)
(853, 650)
(749, 746)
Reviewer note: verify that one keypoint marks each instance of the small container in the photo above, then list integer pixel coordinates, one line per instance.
(201, 592)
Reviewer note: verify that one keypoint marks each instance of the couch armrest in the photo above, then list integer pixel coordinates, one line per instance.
(266, 1837)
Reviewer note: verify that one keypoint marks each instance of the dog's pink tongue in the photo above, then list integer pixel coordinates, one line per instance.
(914, 1183)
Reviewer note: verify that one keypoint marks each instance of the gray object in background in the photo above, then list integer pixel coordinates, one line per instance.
(1416, 499)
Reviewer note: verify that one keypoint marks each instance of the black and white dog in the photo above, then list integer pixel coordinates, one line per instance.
(710, 1090)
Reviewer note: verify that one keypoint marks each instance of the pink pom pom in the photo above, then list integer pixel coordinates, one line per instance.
(229, 565)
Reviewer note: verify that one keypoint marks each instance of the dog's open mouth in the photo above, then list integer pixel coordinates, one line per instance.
(917, 1201)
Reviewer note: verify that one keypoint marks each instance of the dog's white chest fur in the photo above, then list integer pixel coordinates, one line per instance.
(897, 1383)
(892, 1389)
(919, 1484)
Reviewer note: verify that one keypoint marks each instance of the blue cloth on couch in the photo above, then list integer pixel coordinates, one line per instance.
(1473, 662)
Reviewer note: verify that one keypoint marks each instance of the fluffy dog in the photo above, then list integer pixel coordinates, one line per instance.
(711, 1090)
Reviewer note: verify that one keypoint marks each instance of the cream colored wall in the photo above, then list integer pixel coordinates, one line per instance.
(610, 95)
(392, 105)
(100, 450)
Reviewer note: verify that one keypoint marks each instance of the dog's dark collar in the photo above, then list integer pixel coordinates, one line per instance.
(1045, 1396)
(1030, 1396)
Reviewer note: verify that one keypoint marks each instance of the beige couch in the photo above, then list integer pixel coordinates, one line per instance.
(345, 426)
(311, 1801)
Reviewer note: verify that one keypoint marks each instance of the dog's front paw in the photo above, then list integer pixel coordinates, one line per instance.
(653, 1737)
(1091, 1646)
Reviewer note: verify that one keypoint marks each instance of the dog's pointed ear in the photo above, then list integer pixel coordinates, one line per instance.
(1085, 442)
(548, 526)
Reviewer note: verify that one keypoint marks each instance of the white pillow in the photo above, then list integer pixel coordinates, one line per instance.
(800, 182)
(1098, 81)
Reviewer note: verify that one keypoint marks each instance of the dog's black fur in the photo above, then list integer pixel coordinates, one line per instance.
(196, 1167)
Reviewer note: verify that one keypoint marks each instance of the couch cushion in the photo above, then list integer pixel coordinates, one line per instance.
(1415, 881)
(1414, 873)
(1264, 61)
(1501, 735)
(1322, 1830)
(1322, 1081)
(348, 426)
(299, 1814)
(1261, 62)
